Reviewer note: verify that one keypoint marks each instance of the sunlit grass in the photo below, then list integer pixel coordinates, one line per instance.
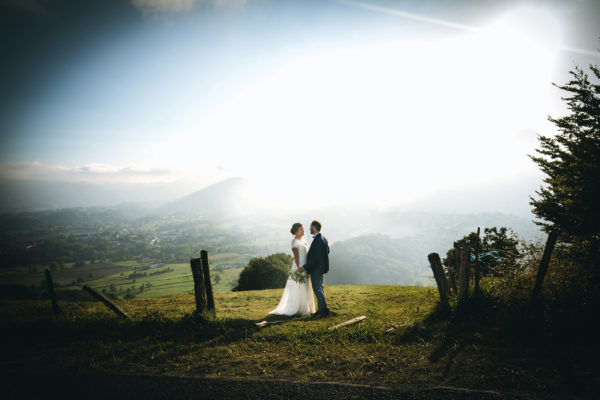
(130, 263)
(400, 342)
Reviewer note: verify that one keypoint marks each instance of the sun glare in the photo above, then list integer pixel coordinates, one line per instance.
(397, 118)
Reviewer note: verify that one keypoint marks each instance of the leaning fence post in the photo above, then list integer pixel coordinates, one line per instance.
(440, 276)
(50, 284)
(199, 287)
(210, 300)
(463, 273)
(118, 310)
(552, 237)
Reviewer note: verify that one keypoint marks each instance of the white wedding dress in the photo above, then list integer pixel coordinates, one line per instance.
(297, 298)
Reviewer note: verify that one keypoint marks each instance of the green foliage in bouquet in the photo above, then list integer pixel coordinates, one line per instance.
(298, 276)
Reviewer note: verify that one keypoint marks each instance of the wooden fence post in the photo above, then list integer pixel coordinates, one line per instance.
(552, 237)
(199, 287)
(454, 274)
(440, 277)
(50, 284)
(452, 283)
(118, 310)
(477, 269)
(210, 300)
(463, 272)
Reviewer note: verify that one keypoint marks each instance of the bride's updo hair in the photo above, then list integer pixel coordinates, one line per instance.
(295, 228)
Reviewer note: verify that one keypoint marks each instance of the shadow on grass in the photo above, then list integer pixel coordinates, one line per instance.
(191, 328)
(497, 335)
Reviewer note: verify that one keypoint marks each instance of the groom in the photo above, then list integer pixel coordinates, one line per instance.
(317, 264)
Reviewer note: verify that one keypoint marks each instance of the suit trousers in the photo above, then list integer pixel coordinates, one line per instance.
(316, 279)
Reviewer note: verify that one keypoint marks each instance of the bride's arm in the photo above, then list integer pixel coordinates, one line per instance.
(296, 256)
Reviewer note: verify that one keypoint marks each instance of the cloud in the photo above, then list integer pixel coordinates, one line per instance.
(177, 6)
(93, 173)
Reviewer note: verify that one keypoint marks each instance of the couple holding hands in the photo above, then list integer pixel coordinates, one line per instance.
(311, 262)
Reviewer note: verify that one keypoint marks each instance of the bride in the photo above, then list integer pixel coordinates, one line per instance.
(297, 298)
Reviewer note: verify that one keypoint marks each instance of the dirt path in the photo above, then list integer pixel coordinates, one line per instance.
(167, 387)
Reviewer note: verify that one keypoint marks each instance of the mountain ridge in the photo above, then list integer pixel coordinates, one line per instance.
(225, 197)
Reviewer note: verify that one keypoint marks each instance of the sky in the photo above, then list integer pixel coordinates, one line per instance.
(331, 100)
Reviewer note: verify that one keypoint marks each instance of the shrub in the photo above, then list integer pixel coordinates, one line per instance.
(265, 273)
(502, 242)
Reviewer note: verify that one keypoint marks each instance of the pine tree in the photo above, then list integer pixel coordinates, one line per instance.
(570, 201)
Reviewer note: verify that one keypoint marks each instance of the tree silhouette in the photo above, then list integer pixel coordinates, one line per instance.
(569, 202)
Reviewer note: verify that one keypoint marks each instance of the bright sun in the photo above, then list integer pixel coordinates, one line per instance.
(395, 119)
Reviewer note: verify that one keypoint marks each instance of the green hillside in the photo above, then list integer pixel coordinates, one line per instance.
(131, 280)
(378, 259)
(366, 259)
(400, 342)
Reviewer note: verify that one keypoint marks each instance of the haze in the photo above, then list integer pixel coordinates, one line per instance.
(317, 102)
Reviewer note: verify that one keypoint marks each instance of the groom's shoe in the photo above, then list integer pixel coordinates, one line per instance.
(321, 314)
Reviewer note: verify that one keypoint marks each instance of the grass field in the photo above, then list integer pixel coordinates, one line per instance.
(170, 279)
(89, 273)
(130, 263)
(400, 342)
(166, 280)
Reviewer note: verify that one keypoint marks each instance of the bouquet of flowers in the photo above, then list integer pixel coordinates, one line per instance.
(297, 276)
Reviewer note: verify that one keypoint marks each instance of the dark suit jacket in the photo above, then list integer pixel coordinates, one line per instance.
(317, 259)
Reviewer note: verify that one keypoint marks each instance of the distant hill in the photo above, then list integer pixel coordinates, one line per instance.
(229, 197)
(434, 230)
(237, 196)
(76, 216)
(39, 195)
(377, 259)
(507, 195)
(391, 247)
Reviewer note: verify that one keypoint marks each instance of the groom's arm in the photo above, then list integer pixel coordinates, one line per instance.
(326, 253)
(310, 257)
(326, 242)
(306, 267)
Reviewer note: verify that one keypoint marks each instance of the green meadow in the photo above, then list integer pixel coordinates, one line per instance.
(402, 341)
(136, 279)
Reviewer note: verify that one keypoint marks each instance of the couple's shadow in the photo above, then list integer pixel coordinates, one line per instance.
(272, 319)
(202, 330)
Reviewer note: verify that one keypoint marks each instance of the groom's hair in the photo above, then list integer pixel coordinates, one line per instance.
(316, 224)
